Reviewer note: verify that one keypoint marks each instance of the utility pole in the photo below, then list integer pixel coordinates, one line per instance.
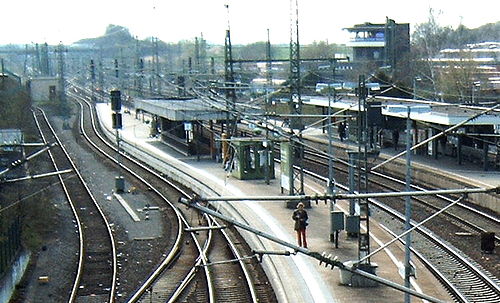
(62, 84)
(44, 60)
(295, 104)
(157, 65)
(25, 59)
(101, 72)
(122, 68)
(229, 79)
(269, 83)
(137, 67)
(64, 109)
(153, 67)
(92, 79)
(203, 55)
(197, 54)
(358, 173)
(230, 95)
(117, 71)
(38, 63)
(141, 77)
(334, 229)
(408, 266)
(230, 91)
(364, 211)
(269, 75)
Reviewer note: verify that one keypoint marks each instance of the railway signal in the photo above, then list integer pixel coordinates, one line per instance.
(116, 101)
(116, 116)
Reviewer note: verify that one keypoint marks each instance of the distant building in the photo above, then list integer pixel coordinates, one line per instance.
(44, 88)
(381, 45)
(260, 85)
(484, 58)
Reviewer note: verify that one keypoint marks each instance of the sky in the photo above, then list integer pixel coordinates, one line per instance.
(66, 21)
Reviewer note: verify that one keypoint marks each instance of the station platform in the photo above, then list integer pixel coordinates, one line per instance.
(295, 278)
(467, 172)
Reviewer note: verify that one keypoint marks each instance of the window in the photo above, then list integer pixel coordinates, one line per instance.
(52, 92)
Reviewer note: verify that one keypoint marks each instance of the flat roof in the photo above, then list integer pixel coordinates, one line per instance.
(371, 26)
(442, 114)
(180, 109)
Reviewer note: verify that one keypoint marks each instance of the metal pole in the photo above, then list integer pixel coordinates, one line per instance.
(331, 181)
(118, 153)
(59, 172)
(338, 196)
(101, 72)
(414, 88)
(472, 99)
(269, 82)
(352, 165)
(408, 207)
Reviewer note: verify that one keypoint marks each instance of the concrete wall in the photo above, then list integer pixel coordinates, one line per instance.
(8, 283)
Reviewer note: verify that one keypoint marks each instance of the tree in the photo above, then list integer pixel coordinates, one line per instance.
(319, 49)
(456, 80)
(451, 78)
(428, 39)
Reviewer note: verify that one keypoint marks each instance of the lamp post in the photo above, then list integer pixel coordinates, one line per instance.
(415, 79)
(475, 85)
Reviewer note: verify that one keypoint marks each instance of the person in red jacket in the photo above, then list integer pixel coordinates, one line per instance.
(300, 218)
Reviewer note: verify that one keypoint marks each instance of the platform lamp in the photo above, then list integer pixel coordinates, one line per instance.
(415, 80)
(116, 105)
(476, 86)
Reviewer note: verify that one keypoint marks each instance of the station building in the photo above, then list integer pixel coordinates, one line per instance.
(379, 45)
(44, 88)
(481, 60)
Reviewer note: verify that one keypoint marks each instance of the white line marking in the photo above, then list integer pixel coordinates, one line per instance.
(127, 207)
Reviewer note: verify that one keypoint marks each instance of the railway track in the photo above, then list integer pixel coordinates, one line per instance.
(178, 277)
(468, 219)
(95, 276)
(465, 279)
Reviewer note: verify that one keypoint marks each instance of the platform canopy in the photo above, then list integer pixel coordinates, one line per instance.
(180, 109)
(442, 115)
(431, 112)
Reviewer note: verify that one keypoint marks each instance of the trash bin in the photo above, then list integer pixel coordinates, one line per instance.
(488, 242)
(119, 184)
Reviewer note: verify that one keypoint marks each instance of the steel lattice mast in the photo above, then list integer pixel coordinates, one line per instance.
(295, 103)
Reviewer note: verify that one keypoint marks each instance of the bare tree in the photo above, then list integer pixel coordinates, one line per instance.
(428, 39)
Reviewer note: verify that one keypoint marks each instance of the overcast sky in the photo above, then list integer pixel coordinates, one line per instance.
(54, 21)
